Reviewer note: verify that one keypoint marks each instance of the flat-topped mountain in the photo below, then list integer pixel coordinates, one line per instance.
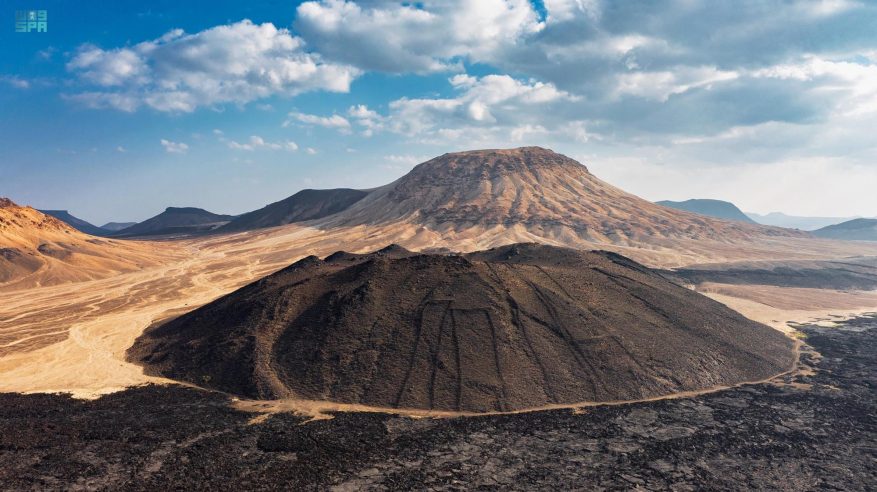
(76, 222)
(537, 192)
(712, 208)
(176, 221)
(302, 206)
(516, 327)
(852, 230)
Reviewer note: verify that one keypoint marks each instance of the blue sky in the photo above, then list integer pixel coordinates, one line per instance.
(121, 109)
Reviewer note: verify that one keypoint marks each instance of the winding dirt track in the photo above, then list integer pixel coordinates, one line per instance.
(72, 337)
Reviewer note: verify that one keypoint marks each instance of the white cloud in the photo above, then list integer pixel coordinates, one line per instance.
(178, 72)
(368, 119)
(852, 86)
(289, 145)
(826, 8)
(490, 103)
(121, 149)
(405, 159)
(217, 131)
(393, 37)
(15, 81)
(661, 85)
(311, 151)
(256, 142)
(334, 121)
(174, 147)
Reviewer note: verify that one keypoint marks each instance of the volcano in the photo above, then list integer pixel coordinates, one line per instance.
(516, 327)
(537, 192)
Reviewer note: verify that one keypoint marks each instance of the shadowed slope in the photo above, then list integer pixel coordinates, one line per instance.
(176, 220)
(851, 230)
(515, 327)
(304, 205)
(711, 208)
(76, 222)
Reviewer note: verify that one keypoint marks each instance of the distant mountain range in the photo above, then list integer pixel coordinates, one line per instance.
(851, 230)
(302, 206)
(780, 219)
(176, 221)
(116, 226)
(711, 208)
(77, 223)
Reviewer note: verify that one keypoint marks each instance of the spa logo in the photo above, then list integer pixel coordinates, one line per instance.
(31, 21)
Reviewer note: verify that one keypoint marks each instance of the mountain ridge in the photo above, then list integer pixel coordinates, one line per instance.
(719, 209)
(176, 221)
(851, 230)
(76, 222)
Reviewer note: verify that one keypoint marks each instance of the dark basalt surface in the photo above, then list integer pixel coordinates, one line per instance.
(852, 273)
(515, 327)
(756, 437)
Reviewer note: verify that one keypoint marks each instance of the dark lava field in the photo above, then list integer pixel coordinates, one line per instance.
(818, 433)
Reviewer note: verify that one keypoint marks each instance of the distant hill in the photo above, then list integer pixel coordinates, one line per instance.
(711, 208)
(116, 226)
(76, 222)
(851, 230)
(780, 219)
(176, 221)
(304, 205)
(37, 249)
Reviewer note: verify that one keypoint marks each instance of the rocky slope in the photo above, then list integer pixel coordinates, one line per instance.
(37, 249)
(534, 191)
(515, 327)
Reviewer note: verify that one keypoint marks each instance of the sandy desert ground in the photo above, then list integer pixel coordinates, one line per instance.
(72, 337)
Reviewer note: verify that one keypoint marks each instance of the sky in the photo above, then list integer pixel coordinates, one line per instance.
(122, 109)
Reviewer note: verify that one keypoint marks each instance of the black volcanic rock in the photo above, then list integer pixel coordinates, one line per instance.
(304, 205)
(76, 222)
(176, 220)
(515, 327)
(852, 230)
(711, 208)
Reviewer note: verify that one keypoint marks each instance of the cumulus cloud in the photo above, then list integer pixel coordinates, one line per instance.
(490, 103)
(179, 72)
(402, 37)
(256, 142)
(333, 121)
(15, 81)
(174, 147)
